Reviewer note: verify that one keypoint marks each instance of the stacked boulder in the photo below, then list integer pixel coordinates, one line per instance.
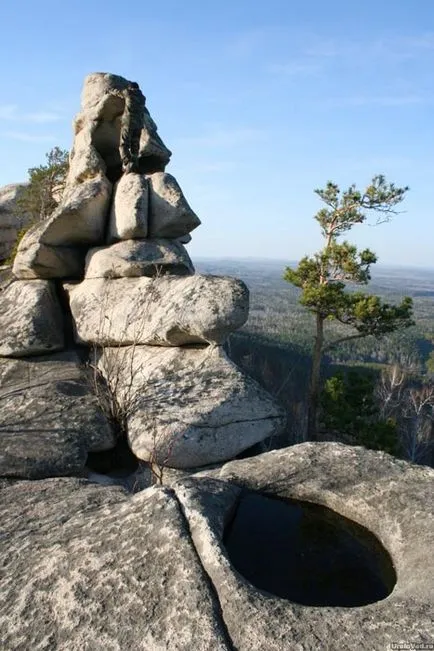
(111, 259)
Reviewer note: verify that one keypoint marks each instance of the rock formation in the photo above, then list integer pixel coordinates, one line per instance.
(12, 220)
(106, 332)
(108, 270)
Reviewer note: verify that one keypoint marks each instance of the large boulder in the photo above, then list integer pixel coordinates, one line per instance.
(188, 406)
(12, 220)
(392, 499)
(129, 213)
(89, 567)
(97, 131)
(169, 213)
(81, 216)
(161, 311)
(133, 258)
(31, 320)
(54, 248)
(49, 418)
(37, 260)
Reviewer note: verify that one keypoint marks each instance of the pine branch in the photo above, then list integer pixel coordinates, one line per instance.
(336, 342)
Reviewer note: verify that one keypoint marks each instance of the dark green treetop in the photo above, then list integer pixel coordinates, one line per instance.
(45, 187)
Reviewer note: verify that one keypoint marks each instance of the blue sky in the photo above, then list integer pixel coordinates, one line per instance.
(260, 102)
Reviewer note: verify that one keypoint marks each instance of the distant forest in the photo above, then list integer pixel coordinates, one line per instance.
(275, 346)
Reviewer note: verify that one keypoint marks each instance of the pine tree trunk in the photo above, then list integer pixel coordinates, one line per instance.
(313, 400)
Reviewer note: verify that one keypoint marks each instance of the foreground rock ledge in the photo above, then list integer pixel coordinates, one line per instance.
(87, 567)
(391, 498)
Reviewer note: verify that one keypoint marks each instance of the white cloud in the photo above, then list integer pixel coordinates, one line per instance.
(312, 52)
(392, 48)
(23, 136)
(220, 138)
(11, 113)
(246, 43)
(42, 117)
(8, 112)
(386, 100)
(294, 68)
(324, 48)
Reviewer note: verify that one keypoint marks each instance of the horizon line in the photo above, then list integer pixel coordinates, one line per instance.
(245, 258)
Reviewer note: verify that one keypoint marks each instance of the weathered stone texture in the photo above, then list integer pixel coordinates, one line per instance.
(88, 567)
(391, 498)
(188, 406)
(129, 213)
(166, 311)
(12, 219)
(49, 417)
(169, 213)
(54, 248)
(81, 216)
(97, 131)
(134, 258)
(37, 260)
(31, 320)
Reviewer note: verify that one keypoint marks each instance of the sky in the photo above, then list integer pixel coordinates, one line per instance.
(260, 103)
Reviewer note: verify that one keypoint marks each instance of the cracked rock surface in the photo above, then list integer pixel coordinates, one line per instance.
(189, 406)
(87, 567)
(91, 567)
(31, 320)
(49, 418)
(165, 311)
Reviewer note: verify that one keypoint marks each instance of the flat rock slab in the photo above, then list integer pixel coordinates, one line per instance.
(49, 418)
(188, 407)
(134, 258)
(89, 567)
(166, 311)
(31, 320)
(391, 498)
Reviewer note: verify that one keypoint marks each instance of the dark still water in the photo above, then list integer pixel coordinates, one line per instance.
(307, 553)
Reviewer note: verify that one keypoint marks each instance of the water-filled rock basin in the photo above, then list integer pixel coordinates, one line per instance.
(307, 553)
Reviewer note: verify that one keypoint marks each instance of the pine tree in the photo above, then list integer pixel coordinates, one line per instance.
(46, 183)
(323, 277)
